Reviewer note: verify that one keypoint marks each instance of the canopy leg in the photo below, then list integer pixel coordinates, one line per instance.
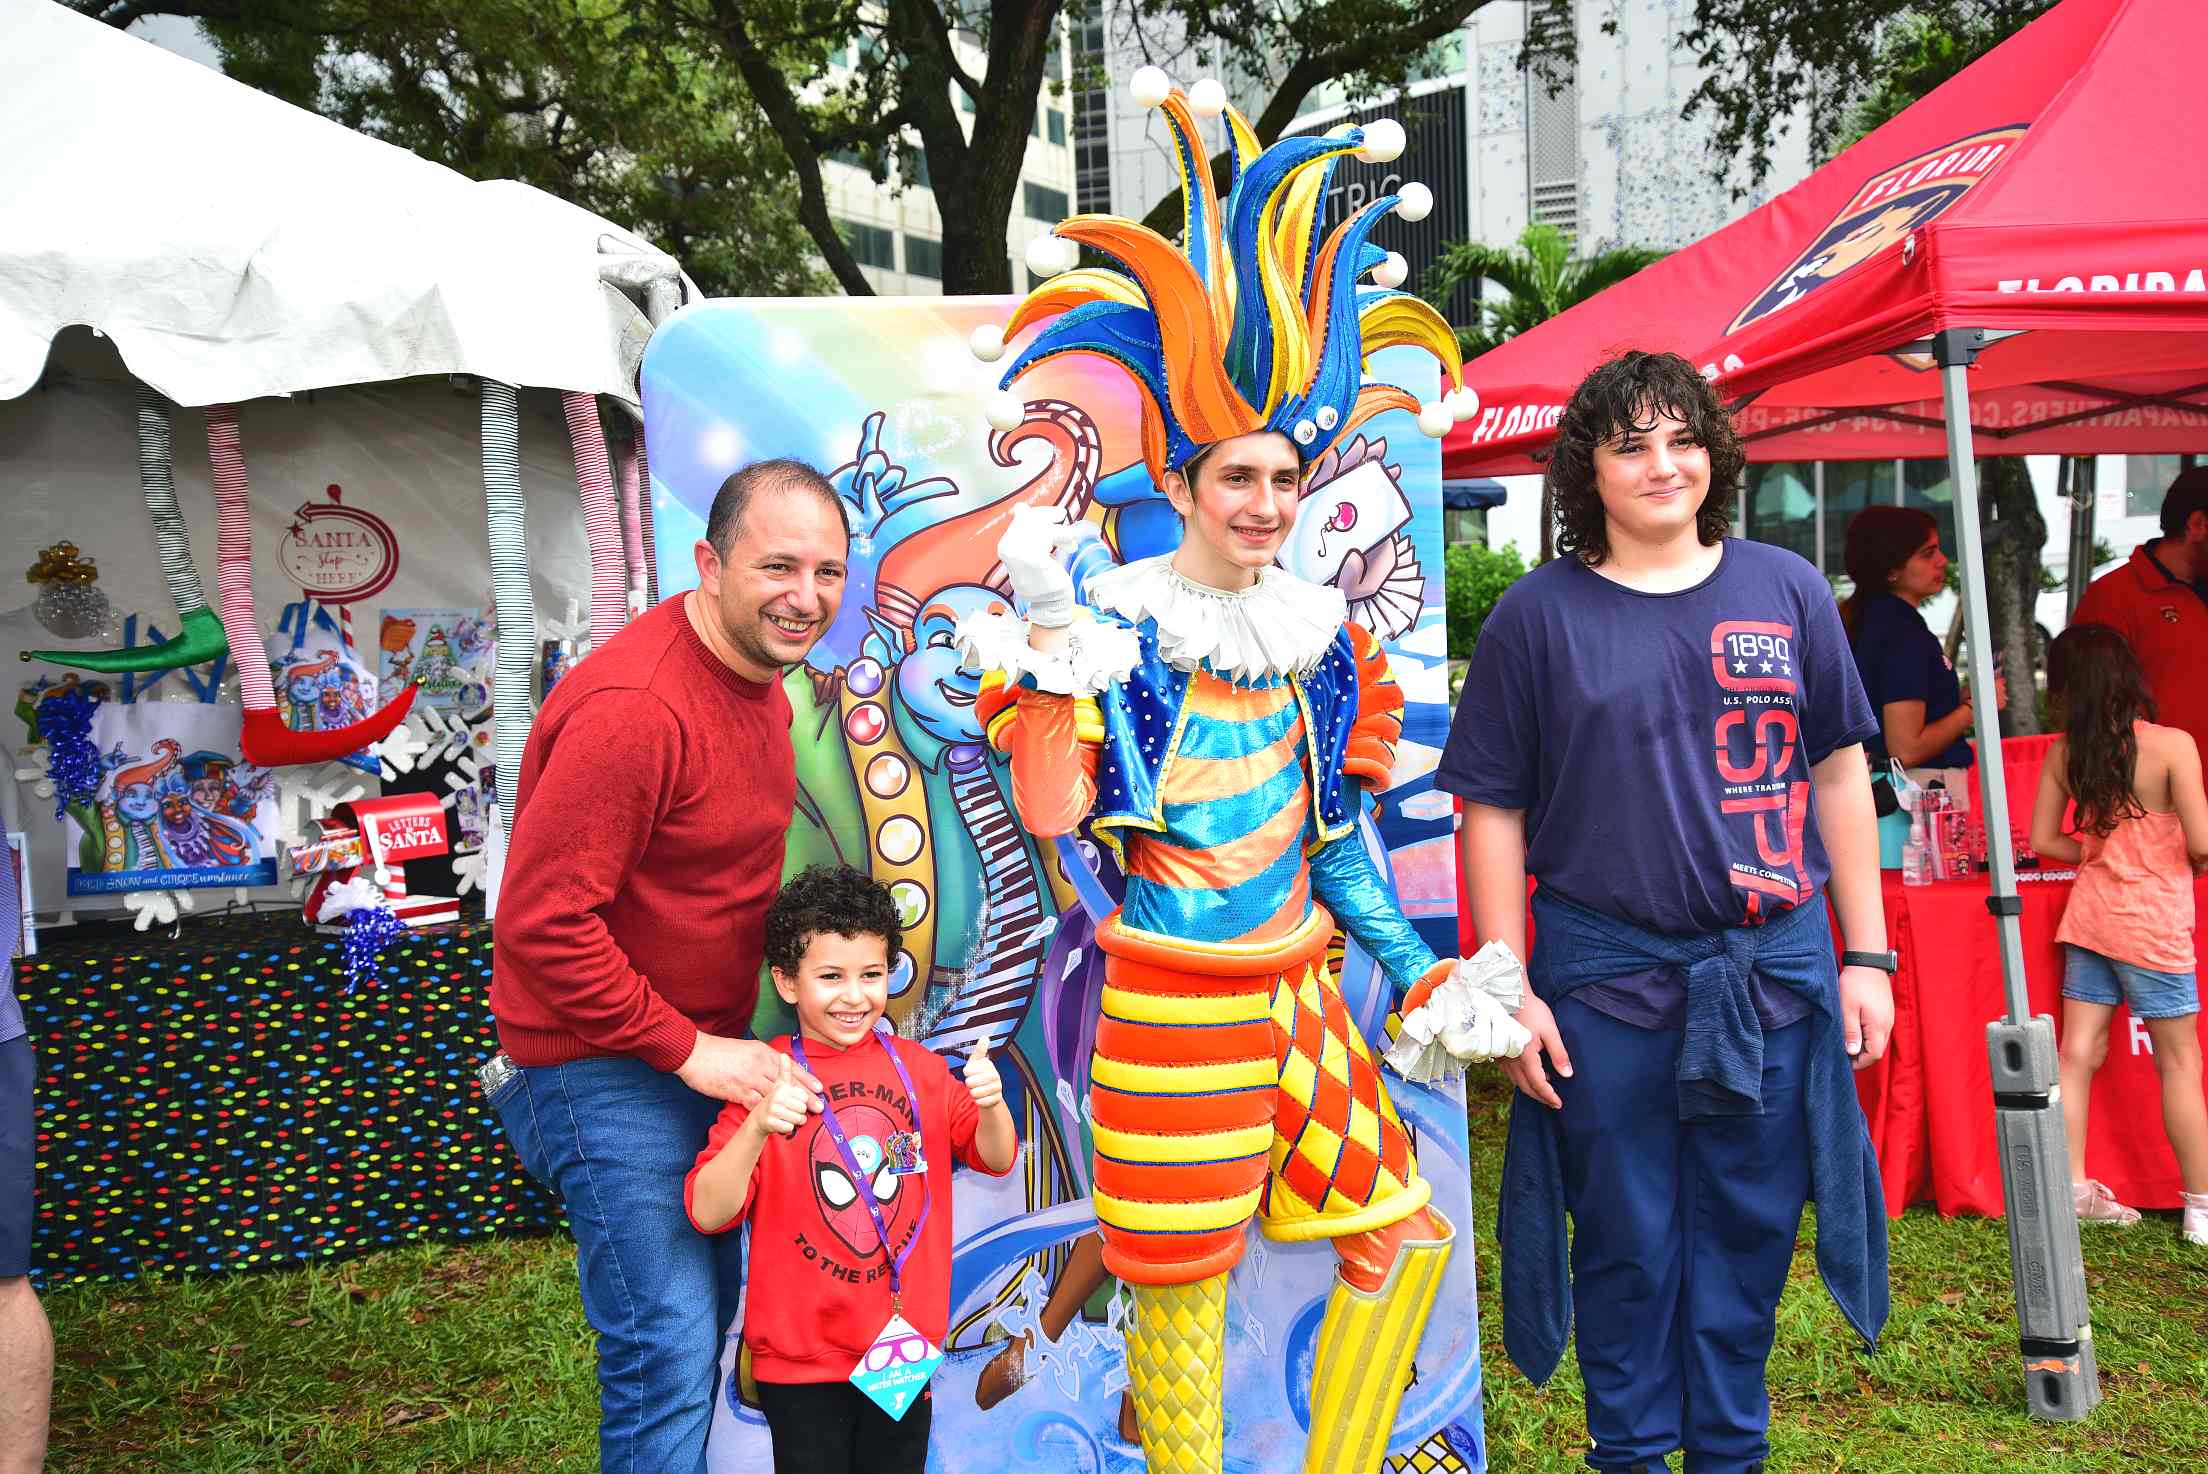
(2054, 1322)
(511, 702)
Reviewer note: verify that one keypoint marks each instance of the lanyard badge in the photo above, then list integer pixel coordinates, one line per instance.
(895, 1369)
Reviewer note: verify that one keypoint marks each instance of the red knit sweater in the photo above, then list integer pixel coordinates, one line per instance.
(647, 841)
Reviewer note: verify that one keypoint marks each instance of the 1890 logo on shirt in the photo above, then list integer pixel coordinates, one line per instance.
(1757, 750)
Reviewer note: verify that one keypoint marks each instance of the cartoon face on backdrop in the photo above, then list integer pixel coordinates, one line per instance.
(868, 1129)
(937, 692)
(137, 801)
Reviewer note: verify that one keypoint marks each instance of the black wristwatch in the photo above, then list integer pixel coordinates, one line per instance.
(1886, 962)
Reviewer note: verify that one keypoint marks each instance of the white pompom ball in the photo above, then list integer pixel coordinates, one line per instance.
(1463, 403)
(1435, 419)
(987, 342)
(1044, 257)
(1384, 141)
(1416, 202)
(1069, 253)
(1006, 410)
(1150, 86)
(1207, 99)
(1393, 271)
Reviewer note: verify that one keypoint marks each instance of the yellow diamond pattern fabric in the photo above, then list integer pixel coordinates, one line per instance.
(1176, 1349)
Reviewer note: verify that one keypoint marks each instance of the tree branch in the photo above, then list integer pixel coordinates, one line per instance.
(771, 90)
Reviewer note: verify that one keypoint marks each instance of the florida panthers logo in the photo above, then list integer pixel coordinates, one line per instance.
(1882, 213)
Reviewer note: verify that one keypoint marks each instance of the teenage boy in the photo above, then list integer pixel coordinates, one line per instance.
(1664, 727)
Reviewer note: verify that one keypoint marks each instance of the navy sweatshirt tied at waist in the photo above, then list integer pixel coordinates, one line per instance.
(1720, 1074)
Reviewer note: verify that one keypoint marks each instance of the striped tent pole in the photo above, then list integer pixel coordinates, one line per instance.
(199, 637)
(632, 525)
(514, 604)
(586, 434)
(265, 738)
(644, 520)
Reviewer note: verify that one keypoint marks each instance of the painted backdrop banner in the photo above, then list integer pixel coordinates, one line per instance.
(176, 806)
(883, 397)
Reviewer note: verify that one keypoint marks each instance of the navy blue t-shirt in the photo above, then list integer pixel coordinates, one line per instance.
(1660, 744)
(1900, 659)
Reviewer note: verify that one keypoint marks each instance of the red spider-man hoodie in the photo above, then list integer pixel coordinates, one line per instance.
(818, 1281)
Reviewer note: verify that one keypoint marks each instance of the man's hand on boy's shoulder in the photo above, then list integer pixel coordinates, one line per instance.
(741, 1070)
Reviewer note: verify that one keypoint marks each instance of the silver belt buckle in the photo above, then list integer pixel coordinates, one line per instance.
(495, 1072)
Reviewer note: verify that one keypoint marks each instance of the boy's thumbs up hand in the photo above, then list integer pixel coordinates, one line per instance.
(787, 1103)
(982, 1079)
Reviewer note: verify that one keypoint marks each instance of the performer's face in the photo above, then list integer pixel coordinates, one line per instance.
(1652, 482)
(840, 988)
(776, 590)
(1239, 506)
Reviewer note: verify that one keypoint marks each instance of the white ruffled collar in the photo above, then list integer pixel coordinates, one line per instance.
(1279, 626)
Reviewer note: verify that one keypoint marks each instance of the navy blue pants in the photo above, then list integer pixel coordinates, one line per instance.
(1682, 1233)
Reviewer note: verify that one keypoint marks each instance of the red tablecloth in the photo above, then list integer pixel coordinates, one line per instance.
(1930, 1103)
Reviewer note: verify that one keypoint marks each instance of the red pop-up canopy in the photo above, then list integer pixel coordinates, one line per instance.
(2054, 189)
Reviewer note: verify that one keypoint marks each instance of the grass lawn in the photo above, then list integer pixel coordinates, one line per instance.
(475, 1357)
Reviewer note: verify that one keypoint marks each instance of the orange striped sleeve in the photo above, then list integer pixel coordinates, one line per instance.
(1370, 753)
(1052, 742)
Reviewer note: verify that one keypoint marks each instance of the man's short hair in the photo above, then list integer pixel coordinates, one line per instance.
(783, 473)
(1621, 395)
(2187, 494)
(829, 898)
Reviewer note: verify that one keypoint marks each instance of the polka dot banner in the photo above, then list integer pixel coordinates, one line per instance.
(218, 1102)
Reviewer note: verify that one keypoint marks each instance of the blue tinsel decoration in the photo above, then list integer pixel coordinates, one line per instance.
(72, 759)
(368, 932)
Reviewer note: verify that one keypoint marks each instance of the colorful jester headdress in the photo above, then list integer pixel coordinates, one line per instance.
(1253, 322)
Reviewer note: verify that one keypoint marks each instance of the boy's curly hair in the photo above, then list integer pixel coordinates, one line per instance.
(1627, 393)
(829, 898)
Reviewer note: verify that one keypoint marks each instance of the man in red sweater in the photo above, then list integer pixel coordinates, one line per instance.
(647, 842)
(2159, 603)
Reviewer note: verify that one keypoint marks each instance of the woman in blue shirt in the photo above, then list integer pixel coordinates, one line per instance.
(1893, 555)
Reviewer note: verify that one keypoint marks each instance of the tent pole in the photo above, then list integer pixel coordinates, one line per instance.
(2054, 1324)
(2084, 494)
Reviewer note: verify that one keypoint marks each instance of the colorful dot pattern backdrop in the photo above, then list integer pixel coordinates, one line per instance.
(218, 1102)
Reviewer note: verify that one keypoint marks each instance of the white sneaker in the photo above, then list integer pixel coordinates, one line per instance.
(2192, 1223)
(2096, 1204)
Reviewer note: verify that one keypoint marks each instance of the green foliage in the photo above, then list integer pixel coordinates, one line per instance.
(1474, 578)
(1540, 275)
(554, 93)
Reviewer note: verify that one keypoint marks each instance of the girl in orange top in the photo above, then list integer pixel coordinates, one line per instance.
(2139, 834)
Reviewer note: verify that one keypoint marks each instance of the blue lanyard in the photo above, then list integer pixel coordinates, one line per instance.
(859, 1179)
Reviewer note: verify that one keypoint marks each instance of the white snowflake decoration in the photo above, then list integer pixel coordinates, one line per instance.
(157, 907)
(400, 750)
(468, 868)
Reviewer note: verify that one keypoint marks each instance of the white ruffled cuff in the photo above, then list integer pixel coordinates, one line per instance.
(1095, 655)
(1457, 1022)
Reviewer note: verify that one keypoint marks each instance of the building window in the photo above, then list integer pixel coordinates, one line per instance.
(2146, 480)
(1092, 155)
(1781, 506)
(1552, 118)
(1044, 203)
(965, 103)
(917, 172)
(871, 245)
(1464, 525)
(1054, 125)
(1924, 485)
(923, 257)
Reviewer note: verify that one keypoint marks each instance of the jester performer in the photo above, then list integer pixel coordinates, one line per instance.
(1210, 716)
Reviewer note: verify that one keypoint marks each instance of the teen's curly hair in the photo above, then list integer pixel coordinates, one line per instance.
(1627, 393)
(829, 898)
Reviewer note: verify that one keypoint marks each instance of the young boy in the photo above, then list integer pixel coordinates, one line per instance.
(825, 1192)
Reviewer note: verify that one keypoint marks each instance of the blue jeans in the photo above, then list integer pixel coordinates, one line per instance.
(614, 1138)
(1682, 1235)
